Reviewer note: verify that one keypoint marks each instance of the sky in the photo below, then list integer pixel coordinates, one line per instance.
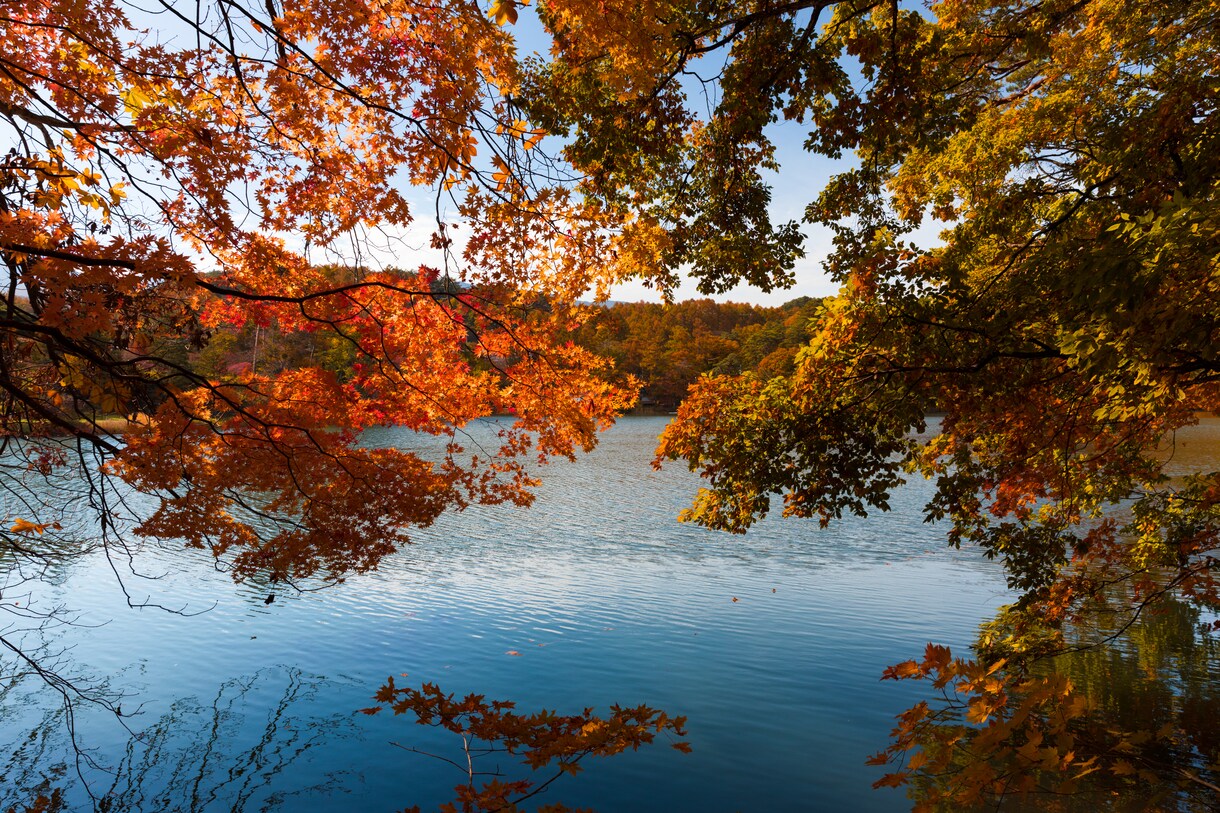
(802, 177)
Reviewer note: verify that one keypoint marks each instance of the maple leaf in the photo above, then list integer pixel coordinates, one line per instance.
(22, 526)
(504, 12)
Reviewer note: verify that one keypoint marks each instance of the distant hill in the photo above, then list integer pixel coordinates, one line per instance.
(669, 346)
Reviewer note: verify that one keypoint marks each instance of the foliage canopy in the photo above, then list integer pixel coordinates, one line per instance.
(1064, 324)
(161, 183)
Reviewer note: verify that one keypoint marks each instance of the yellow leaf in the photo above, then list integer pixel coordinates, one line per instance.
(24, 526)
(135, 100)
(504, 12)
(978, 712)
(891, 780)
(533, 139)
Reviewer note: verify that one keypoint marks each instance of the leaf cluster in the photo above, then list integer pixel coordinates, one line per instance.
(539, 740)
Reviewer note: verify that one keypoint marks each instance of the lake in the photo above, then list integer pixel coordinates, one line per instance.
(253, 706)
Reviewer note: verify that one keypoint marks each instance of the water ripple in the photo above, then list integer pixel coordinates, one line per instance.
(771, 643)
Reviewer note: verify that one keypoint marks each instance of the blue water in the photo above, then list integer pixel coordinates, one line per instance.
(252, 706)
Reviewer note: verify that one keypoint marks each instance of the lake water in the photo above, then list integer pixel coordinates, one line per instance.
(252, 706)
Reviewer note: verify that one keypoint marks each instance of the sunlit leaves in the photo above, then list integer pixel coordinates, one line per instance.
(504, 12)
(24, 526)
(164, 194)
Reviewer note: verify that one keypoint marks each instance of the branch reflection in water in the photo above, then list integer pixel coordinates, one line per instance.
(198, 756)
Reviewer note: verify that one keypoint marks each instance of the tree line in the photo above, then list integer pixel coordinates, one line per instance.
(661, 349)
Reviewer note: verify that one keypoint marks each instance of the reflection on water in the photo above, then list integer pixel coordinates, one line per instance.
(1142, 662)
(770, 643)
(1155, 675)
(604, 598)
(1193, 448)
(199, 755)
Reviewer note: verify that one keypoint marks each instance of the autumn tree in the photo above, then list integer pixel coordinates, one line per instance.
(1064, 321)
(174, 173)
(160, 185)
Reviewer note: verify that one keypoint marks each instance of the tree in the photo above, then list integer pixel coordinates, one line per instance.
(236, 167)
(162, 183)
(666, 347)
(1064, 323)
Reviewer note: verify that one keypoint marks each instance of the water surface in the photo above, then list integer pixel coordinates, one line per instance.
(252, 706)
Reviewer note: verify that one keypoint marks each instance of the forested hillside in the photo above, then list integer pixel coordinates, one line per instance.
(664, 347)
